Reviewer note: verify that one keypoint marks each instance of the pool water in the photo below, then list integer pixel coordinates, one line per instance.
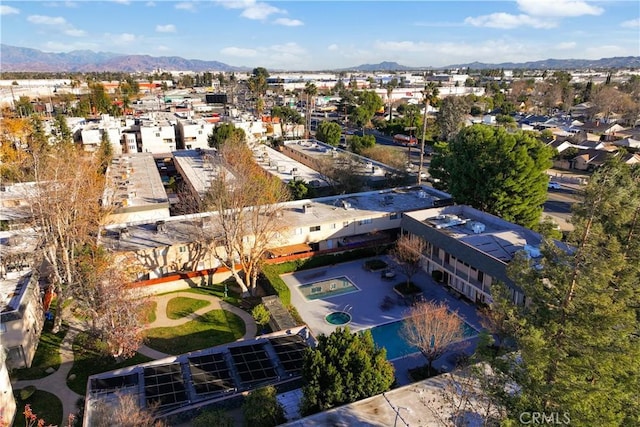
(327, 288)
(338, 318)
(390, 337)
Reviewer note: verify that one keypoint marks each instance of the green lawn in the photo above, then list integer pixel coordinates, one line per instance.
(47, 355)
(45, 405)
(88, 362)
(213, 328)
(217, 290)
(180, 307)
(149, 311)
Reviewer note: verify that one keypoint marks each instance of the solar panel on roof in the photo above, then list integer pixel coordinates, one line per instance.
(290, 351)
(253, 363)
(113, 383)
(164, 386)
(210, 374)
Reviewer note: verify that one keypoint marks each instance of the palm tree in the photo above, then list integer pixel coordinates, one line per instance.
(429, 94)
(390, 86)
(310, 90)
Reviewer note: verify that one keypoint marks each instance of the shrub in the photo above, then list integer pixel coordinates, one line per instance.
(375, 265)
(407, 288)
(27, 392)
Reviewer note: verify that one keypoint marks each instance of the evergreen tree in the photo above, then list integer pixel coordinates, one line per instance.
(329, 132)
(105, 151)
(61, 131)
(495, 171)
(579, 334)
(344, 367)
(223, 133)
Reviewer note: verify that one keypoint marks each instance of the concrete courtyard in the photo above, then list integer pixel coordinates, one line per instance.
(364, 305)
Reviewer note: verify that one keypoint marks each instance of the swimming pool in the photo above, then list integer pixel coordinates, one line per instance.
(390, 337)
(327, 288)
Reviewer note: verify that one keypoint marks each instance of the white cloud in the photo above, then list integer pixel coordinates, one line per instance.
(566, 45)
(121, 39)
(332, 47)
(558, 8)
(186, 6)
(74, 32)
(162, 48)
(57, 23)
(508, 21)
(239, 52)
(259, 11)
(290, 48)
(150, 4)
(8, 10)
(169, 28)
(46, 20)
(125, 2)
(288, 22)
(632, 23)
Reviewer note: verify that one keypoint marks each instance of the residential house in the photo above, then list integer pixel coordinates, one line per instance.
(156, 136)
(589, 159)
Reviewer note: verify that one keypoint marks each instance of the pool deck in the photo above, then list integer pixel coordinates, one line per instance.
(364, 305)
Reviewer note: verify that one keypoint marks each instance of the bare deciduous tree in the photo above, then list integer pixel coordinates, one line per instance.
(66, 212)
(433, 329)
(115, 314)
(248, 206)
(124, 412)
(408, 252)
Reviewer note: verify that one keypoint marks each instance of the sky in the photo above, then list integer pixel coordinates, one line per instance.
(323, 35)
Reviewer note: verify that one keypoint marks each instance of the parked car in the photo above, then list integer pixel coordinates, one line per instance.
(553, 185)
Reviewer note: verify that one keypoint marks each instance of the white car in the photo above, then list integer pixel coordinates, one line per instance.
(553, 185)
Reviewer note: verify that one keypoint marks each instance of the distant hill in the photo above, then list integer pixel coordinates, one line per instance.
(546, 64)
(559, 64)
(15, 58)
(382, 66)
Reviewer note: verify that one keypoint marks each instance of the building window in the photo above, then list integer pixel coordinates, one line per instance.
(314, 228)
(183, 249)
(333, 226)
(393, 215)
(158, 134)
(316, 290)
(365, 221)
(345, 224)
(480, 276)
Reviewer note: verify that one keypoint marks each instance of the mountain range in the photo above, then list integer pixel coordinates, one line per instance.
(14, 59)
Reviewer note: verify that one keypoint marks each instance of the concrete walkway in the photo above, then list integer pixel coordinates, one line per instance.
(56, 382)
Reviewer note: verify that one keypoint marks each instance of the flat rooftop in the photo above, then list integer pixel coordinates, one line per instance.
(487, 233)
(199, 168)
(300, 213)
(286, 168)
(14, 200)
(12, 291)
(312, 148)
(134, 181)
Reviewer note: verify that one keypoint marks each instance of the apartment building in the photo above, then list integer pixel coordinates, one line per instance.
(21, 317)
(470, 248)
(135, 191)
(91, 134)
(156, 136)
(178, 243)
(193, 134)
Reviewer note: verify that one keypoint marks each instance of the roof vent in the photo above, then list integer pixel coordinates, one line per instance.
(161, 227)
